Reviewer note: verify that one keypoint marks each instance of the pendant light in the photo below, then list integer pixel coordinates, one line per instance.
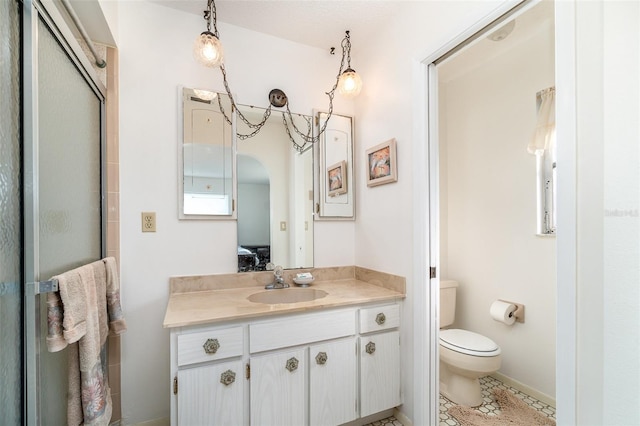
(349, 83)
(208, 51)
(207, 48)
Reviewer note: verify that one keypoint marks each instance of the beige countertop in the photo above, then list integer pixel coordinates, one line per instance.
(203, 300)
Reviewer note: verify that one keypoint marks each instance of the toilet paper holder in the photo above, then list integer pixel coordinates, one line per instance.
(519, 312)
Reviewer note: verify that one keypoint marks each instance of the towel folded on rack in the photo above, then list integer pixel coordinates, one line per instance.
(84, 310)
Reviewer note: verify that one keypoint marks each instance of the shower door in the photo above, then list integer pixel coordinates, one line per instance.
(63, 216)
(11, 345)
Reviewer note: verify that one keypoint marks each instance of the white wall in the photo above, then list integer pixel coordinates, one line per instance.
(155, 45)
(488, 184)
(607, 363)
(385, 109)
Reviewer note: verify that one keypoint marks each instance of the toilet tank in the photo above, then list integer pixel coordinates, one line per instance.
(447, 302)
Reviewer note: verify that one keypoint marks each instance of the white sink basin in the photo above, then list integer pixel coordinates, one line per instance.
(287, 295)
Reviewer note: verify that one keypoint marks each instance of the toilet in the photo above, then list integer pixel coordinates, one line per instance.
(464, 356)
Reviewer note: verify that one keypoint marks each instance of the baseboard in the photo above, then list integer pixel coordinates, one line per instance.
(525, 389)
(157, 422)
(402, 418)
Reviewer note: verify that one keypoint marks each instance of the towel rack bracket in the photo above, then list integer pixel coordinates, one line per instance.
(42, 287)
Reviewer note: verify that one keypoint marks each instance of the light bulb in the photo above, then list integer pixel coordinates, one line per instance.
(205, 95)
(349, 83)
(207, 50)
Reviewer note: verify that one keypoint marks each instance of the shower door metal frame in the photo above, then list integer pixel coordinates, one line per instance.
(33, 10)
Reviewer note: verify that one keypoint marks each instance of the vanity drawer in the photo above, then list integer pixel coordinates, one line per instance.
(209, 345)
(379, 318)
(301, 329)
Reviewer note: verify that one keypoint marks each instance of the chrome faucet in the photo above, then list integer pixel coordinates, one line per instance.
(278, 280)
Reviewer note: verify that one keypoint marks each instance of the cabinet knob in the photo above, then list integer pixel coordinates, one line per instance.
(227, 377)
(321, 358)
(381, 318)
(292, 364)
(370, 348)
(211, 346)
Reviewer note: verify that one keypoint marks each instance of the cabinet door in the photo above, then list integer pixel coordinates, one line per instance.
(211, 395)
(379, 372)
(332, 382)
(278, 383)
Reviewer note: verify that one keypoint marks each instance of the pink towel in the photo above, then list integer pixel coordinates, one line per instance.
(85, 307)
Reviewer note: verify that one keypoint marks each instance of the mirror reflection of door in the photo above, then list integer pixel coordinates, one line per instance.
(254, 215)
(207, 156)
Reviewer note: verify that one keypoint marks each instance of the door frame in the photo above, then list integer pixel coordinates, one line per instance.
(426, 215)
(32, 10)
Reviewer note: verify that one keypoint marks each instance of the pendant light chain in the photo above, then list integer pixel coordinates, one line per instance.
(210, 15)
(346, 53)
(346, 45)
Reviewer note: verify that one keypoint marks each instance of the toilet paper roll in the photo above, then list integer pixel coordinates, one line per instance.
(503, 312)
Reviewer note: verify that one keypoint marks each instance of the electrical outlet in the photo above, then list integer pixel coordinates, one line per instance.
(148, 221)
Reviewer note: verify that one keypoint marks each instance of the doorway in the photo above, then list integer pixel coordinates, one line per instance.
(472, 175)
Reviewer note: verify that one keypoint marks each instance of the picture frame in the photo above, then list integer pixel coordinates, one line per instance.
(381, 163)
(337, 179)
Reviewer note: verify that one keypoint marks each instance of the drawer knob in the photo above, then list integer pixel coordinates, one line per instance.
(292, 364)
(211, 346)
(321, 358)
(381, 318)
(370, 348)
(227, 377)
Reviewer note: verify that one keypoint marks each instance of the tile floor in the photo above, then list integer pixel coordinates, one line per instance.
(488, 407)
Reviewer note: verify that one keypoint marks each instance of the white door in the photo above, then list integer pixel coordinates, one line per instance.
(278, 383)
(332, 382)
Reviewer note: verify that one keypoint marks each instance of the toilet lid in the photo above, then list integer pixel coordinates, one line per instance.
(468, 342)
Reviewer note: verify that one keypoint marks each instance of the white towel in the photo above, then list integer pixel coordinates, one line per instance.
(82, 311)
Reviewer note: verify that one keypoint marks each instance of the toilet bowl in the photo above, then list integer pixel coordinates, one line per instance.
(464, 358)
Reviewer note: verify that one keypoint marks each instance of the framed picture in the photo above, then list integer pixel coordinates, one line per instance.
(381, 163)
(337, 179)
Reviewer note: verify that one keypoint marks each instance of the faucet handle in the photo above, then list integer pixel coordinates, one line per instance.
(278, 271)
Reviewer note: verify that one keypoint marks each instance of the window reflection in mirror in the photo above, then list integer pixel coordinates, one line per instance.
(275, 196)
(206, 157)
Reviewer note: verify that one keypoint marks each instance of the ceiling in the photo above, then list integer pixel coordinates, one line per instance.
(315, 23)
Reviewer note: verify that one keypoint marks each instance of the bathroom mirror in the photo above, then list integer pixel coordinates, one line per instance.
(206, 156)
(275, 195)
(335, 188)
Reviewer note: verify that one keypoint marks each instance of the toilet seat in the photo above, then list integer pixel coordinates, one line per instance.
(468, 342)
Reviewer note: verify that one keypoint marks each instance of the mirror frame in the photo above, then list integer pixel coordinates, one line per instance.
(180, 148)
(324, 211)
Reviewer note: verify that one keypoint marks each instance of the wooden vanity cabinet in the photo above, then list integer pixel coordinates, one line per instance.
(303, 369)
